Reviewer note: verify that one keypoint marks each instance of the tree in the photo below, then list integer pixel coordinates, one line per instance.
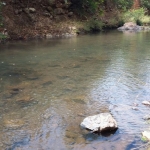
(136, 4)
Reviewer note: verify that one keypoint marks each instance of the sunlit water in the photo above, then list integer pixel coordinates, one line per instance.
(48, 87)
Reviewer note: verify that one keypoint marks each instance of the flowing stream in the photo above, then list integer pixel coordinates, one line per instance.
(47, 87)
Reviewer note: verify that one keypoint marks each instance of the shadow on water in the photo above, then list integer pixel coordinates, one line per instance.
(48, 87)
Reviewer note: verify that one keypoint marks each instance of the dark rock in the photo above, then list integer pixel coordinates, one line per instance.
(15, 90)
(79, 101)
(51, 2)
(49, 9)
(17, 12)
(47, 83)
(59, 5)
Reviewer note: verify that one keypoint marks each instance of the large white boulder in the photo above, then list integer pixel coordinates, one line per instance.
(100, 122)
(146, 134)
(130, 26)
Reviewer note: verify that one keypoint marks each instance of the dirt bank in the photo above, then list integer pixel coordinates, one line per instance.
(45, 19)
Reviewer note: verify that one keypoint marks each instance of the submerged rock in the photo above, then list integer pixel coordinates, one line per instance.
(14, 123)
(25, 99)
(135, 108)
(100, 122)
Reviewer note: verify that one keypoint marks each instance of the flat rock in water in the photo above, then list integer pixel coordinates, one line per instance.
(146, 134)
(100, 122)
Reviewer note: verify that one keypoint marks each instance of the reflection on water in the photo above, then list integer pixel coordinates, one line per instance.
(48, 87)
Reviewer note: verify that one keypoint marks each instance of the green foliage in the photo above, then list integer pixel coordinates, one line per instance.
(119, 4)
(145, 3)
(123, 4)
(83, 7)
(137, 16)
(134, 15)
(93, 25)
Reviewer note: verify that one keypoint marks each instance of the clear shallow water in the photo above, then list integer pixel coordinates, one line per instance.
(48, 87)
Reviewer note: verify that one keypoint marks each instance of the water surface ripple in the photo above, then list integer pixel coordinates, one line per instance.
(47, 88)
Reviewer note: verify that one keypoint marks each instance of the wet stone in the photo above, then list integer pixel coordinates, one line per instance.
(76, 66)
(70, 134)
(14, 91)
(32, 77)
(80, 140)
(14, 123)
(81, 115)
(70, 141)
(7, 95)
(62, 77)
(47, 83)
(25, 99)
(15, 140)
(54, 65)
(80, 101)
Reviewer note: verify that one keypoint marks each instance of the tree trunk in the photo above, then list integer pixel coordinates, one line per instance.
(136, 4)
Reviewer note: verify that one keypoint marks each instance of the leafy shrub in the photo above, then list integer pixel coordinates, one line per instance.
(86, 6)
(134, 15)
(93, 25)
(145, 20)
(145, 4)
(123, 4)
(137, 16)
(119, 4)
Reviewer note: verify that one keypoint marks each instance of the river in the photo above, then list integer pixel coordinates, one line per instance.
(47, 87)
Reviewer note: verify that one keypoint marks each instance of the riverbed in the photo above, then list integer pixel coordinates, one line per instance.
(47, 87)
